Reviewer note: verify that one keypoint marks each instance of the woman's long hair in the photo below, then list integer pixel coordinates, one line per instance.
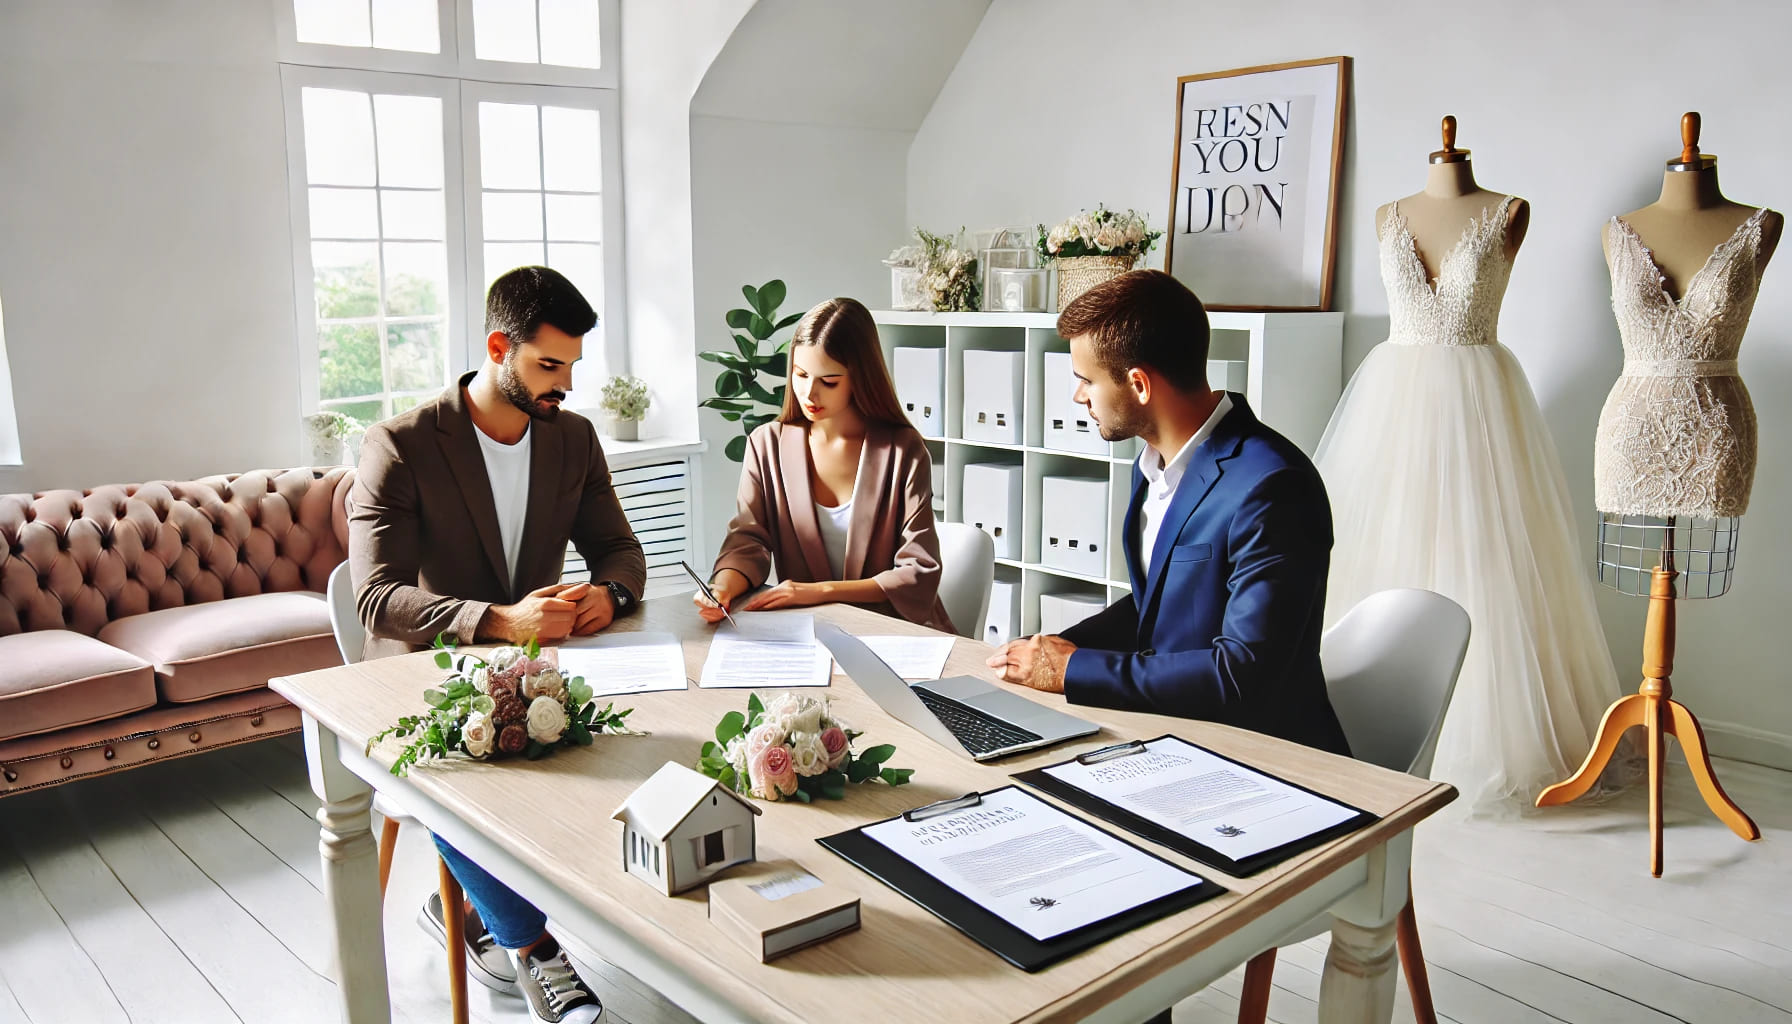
(847, 334)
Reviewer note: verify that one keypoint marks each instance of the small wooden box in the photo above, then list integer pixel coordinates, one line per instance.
(775, 907)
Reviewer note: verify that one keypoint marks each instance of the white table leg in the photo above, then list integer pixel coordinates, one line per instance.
(1357, 985)
(351, 879)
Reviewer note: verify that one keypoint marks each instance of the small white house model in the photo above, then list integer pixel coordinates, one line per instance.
(681, 827)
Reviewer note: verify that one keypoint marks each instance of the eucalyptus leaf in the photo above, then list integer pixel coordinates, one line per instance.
(880, 753)
(731, 725)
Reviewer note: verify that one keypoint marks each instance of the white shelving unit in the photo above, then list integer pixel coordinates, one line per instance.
(1293, 375)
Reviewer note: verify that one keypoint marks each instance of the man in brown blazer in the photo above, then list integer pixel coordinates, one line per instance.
(461, 512)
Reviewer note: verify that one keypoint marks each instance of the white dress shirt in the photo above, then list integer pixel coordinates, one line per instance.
(1162, 478)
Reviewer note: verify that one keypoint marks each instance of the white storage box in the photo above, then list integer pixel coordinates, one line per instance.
(921, 388)
(1227, 374)
(1073, 520)
(1068, 427)
(1003, 623)
(1059, 612)
(993, 385)
(992, 503)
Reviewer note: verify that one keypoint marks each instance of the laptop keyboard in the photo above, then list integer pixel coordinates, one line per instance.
(979, 732)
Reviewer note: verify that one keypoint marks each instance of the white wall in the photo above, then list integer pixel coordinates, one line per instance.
(1573, 106)
(145, 255)
(799, 145)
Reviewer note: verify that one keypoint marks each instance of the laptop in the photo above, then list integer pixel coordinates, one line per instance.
(960, 713)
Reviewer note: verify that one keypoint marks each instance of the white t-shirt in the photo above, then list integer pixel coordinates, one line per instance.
(507, 466)
(1162, 478)
(834, 523)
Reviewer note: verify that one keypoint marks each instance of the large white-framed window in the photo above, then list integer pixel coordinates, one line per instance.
(378, 245)
(432, 145)
(540, 191)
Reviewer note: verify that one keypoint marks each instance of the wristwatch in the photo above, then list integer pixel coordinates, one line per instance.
(620, 595)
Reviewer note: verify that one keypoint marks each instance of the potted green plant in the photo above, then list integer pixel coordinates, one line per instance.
(624, 402)
(328, 434)
(740, 396)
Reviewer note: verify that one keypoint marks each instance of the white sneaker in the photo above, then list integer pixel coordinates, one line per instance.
(553, 988)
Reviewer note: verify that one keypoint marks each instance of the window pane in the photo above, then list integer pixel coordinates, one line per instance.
(416, 356)
(569, 33)
(343, 213)
(583, 265)
(404, 403)
(346, 278)
(348, 360)
(410, 140)
(576, 218)
(368, 413)
(505, 256)
(504, 30)
(332, 22)
(416, 278)
(509, 146)
(513, 216)
(571, 148)
(338, 137)
(412, 214)
(406, 25)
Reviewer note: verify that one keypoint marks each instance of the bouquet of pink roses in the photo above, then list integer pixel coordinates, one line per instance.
(512, 701)
(792, 747)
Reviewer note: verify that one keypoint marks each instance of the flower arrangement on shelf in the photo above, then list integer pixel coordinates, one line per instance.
(625, 401)
(510, 702)
(948, 273)
(792, 747)
(1091, 248)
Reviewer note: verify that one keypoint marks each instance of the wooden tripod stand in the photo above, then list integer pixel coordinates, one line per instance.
(1654, 708)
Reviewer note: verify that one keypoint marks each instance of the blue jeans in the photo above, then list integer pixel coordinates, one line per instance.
(513, 921)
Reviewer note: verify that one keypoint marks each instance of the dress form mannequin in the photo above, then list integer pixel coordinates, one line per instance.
(1451, 199)
(1676, 449)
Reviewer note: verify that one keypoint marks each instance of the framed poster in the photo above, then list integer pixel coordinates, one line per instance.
(1254, 184)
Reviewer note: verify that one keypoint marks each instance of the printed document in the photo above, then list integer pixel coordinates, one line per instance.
(912, 657)
(1038, 868)
(1224, 806)
(768, 650)
(625, 662)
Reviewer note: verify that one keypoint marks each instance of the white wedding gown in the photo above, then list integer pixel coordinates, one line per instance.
(1443, 476)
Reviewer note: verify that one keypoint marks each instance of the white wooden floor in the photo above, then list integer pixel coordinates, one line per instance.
(189, 892)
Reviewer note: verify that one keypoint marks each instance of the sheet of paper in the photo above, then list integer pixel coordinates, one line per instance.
(1231, 809)
(912, 657)
(776, 627)
(736, 661)
(1036, 867)
(625, 662)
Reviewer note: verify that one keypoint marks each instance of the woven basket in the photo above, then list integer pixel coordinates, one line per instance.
(1081, 273)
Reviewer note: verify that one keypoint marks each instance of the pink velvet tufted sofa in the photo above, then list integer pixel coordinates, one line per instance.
(140, 622)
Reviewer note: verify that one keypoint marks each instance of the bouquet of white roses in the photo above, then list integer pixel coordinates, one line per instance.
(512, 701)
(792, 747)
(1102, 233)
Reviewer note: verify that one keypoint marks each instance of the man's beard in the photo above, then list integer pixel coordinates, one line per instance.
(510, 384)
(1121, 426)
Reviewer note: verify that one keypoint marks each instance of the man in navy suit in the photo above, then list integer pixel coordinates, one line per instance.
(1228, 536)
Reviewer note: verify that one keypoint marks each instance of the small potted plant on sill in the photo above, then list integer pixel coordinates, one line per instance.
(624, 402)
(328, 434)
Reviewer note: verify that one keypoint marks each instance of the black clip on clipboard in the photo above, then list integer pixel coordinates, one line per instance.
(982, 926)
(1089, 803)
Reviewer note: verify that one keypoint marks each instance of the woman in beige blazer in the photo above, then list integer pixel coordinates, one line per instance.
(837, 493)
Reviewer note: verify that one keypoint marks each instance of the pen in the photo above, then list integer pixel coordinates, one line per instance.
(692, 573)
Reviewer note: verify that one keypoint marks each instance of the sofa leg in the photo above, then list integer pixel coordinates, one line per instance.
(388, 840)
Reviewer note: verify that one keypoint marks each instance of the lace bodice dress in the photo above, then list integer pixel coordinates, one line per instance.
(1442, 475)
(1677, 434)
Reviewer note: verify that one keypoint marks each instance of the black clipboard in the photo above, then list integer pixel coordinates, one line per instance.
(1083, 800)
(988, 929)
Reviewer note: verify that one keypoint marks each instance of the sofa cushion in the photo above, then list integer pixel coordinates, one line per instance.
(203, 650)
(54, 678)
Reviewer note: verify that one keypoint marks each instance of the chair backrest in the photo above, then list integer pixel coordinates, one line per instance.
(1390, 668)
(967, 568)
(350, 636)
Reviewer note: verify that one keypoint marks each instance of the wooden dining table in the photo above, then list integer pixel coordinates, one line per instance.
(544, 828)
